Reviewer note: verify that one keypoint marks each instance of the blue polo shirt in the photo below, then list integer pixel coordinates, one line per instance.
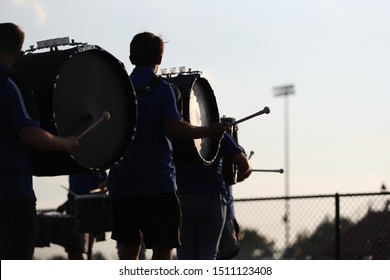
(15, 170)
(207, 179)
(85, 183)
(148, 167)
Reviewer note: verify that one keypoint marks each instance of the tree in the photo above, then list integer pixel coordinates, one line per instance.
(254, 246)
(318, 245)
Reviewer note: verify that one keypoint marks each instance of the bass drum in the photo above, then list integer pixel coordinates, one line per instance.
(72, 88)
(198, 106)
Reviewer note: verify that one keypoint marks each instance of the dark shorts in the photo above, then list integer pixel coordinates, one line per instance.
(75, 242)
(155, 219)
(19, 229)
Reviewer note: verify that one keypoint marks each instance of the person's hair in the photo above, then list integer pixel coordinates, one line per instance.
(11, 37)
(146, 49)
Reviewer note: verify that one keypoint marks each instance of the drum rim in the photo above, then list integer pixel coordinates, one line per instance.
(40, 70)
(132, 98)
(188, 86)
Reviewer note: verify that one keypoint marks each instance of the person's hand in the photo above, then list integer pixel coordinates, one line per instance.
(241, 176)
(62, 207)
(216, 130)
(101, 188)
(71, 143)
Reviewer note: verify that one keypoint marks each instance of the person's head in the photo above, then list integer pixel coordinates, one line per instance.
(146, 49)
(11, 42)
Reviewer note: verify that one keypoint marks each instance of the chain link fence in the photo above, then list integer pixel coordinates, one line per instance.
(339, 226)
(347, 226)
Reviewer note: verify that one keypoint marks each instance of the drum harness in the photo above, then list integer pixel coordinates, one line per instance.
(149, 88)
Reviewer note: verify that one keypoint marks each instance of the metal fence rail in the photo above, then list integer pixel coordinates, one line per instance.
(338, 226)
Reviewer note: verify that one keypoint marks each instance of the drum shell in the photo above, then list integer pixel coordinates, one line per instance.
(195, 96)
(71, 89)
(93, 213)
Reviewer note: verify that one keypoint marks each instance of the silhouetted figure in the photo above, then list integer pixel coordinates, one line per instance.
(19, 129)
(143, 187)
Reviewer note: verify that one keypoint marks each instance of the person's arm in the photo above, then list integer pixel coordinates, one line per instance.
(243, 165)
(62, 208)
(101, 188)
(184, 130)
(40, 139)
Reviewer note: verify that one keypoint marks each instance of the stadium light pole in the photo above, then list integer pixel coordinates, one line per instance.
(286, 91)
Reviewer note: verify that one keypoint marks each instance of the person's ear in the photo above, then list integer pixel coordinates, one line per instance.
(159, 60)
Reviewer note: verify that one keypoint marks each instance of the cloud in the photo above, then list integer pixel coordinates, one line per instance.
(38, 8)
(40, 11)
(19, 2)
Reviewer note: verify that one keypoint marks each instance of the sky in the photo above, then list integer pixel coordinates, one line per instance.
(334, 52)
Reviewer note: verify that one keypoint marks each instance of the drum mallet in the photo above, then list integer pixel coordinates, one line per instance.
(69, 190)
(104, 116)
(266, 110)
(281, 171)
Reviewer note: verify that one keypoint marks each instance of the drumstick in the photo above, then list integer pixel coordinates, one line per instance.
(281, 171)
(104, 116)
(69, 190)
(266, 110)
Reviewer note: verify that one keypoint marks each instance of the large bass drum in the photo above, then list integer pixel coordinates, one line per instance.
(198, 106)
(72, 88)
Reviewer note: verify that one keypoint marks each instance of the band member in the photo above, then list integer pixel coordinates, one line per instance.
(81, 184)
(203, 201)
(143, 186)
(229, 245)
(18, 131)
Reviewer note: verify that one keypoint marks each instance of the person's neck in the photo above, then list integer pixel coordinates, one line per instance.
(153, 67)
(7, 60)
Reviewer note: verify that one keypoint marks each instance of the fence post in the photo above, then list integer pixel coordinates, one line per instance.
(337, 227)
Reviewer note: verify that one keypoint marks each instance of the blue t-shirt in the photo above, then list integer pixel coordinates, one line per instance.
(85, 183)
(15, 169)
(148, 167)
(207, 179)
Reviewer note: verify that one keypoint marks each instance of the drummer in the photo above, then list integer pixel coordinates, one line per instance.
(143, 187)
(81, 184)
(18, 131)
(203, 199)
